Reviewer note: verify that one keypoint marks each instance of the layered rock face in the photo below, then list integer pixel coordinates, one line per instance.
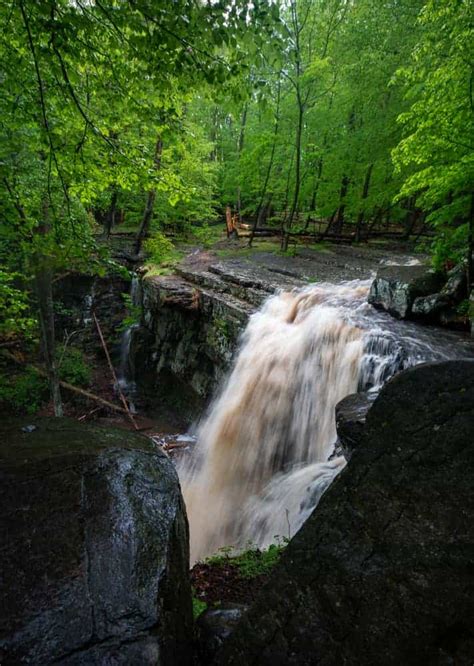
(192, 322)
(94, 561)
(382, 571)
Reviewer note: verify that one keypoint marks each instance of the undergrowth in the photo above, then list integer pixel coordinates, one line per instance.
(252, 562)
(199, 606)
(25, 392)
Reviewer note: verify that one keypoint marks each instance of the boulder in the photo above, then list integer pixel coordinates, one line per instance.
(396, 287)
(94, 564)
(430, 307)
(441, 308)
(214, 626)
(456, 286)
(382, 572)
(351, 413)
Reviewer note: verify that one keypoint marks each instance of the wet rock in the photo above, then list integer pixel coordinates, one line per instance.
(214, 626)
(452, 317)
(194, 331)
(430, 307)
(441, 308)
(351, 413)
(382, 573)
(95, 554)
(455, 287)
(78, 296)
(396, 287)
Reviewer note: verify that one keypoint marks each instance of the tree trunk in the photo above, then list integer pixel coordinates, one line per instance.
(150, 201)
(215, 116)
(314, 196)
(240, 147)
(109, 217)
(258, 212)
(44, 292)
(365, 193)
(470, 248)
(338, 222)
(296, 194)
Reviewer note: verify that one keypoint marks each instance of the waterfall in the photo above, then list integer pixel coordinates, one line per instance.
(125, 376)
(262, 458)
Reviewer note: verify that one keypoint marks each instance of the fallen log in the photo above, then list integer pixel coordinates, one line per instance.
(66, 385)
(112, 372)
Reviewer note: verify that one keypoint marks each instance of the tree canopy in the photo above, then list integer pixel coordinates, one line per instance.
(342, 116)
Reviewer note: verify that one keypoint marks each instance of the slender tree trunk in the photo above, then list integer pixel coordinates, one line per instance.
(150, 201)
(240, 147)
(338, 221)
(296, 193)
(470, 248)
(42, 268)
(365, 193)
(314, 196)
(109, 218)
(214, 131)
(265, 210)
(44, 292)
(261, 205)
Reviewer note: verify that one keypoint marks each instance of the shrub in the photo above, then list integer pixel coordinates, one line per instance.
(198, 606)
(24, 392)
(73, 367)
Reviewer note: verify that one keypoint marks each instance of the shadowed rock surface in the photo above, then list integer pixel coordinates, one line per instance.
(351, 414)
(382, 572)
(94, 560)
(214, 626)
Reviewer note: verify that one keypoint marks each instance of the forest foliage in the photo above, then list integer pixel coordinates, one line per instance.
(153, 116)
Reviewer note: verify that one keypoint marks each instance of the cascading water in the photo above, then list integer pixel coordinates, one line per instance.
(125, 377)
(261, 462)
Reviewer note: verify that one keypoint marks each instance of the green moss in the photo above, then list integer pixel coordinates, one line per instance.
(464, 308)
(198, 606)
(222, 326)
(252, 562)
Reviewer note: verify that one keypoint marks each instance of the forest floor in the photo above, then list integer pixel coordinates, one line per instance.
(223, 583)
(326, 262)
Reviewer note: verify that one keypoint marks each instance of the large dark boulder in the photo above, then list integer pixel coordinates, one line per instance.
(383, 570)
(94, 560)
(442, 307)
(396, 287)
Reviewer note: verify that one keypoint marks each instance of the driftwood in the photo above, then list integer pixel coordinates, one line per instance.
(114, 376)
(66, 385)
